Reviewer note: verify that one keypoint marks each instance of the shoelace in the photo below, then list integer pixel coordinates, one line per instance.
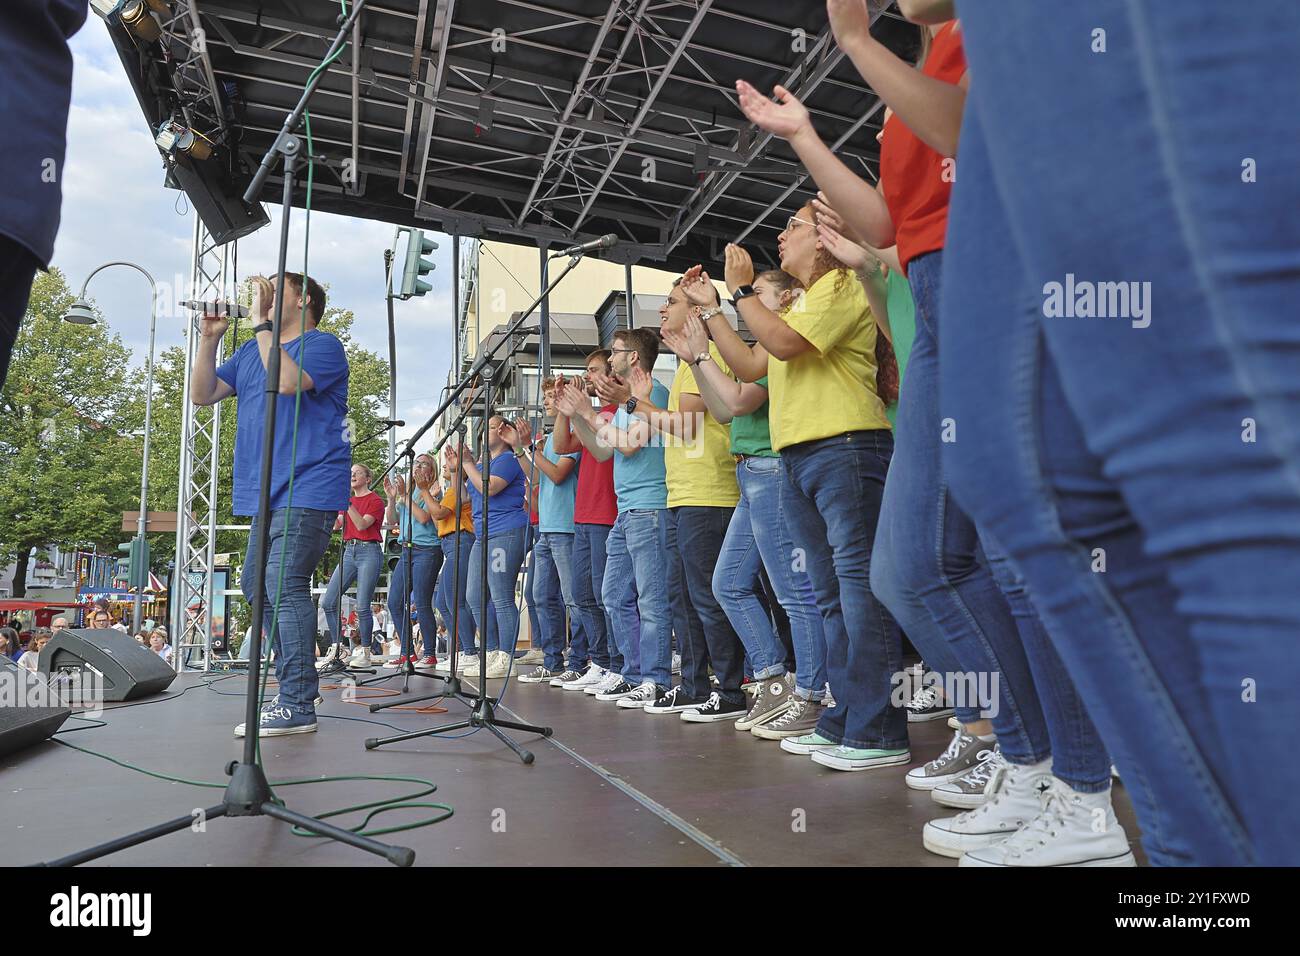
(984, 770)
(923, 699)
(276, 713)
(714, 702)
(1049, 822)
(797, 706)
(955, 746)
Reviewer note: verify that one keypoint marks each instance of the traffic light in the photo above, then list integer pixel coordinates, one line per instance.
(415, 265)
(138, 563)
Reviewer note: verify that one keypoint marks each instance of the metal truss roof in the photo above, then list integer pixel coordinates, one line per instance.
(554, 121)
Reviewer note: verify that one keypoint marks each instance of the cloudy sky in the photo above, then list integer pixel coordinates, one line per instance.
(115, 207)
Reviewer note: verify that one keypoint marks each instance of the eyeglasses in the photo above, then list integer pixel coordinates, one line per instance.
(623, 350)
(789, 223)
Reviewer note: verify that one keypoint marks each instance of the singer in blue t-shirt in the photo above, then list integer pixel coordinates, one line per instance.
(314, 390)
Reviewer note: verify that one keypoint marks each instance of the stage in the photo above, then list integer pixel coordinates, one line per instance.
(611, 788)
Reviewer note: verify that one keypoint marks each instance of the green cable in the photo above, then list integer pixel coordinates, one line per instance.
(376, 807)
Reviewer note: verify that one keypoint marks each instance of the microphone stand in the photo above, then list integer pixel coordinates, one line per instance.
(483, 715)
(249, 793)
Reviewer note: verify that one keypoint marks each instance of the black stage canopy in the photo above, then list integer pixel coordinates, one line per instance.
(551, 121)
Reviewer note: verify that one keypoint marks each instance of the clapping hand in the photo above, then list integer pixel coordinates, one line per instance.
(570, 399)
(640, 383)
(698, 288)
(739, 268)
(612, 390)
(785, 118)
(523, 434)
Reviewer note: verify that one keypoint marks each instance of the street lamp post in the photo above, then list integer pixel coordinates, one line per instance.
(81, 313)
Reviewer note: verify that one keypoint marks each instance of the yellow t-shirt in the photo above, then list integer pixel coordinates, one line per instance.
(447, 525)
(832, 389)
(700, 470)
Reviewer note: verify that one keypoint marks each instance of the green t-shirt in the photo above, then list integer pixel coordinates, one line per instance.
(749, 433)
(902, 325)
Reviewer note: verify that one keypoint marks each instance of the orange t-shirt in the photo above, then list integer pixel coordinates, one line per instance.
(447, 525)
(914, 180)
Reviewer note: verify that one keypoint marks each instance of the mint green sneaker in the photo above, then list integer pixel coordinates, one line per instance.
(853, 758)
(807, 744)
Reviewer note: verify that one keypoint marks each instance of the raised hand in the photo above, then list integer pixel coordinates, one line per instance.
(263, 298)
(612, 390)
(698, 288)
(850, 21)
(523, 434)
(848, 252)
(823, 213)
(739, 268)
(570, 399)
(678, 343)
(697, 337)
(785, 118)
(640, 382)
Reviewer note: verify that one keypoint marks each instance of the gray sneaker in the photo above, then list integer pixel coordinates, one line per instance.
(963, 753)
(967, 791)
(540, 675)
(568, 677)
(800, 718)
(771, 700)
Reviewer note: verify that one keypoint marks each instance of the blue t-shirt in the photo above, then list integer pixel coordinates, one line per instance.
(423, 534)
(555, 502)
(506, 511)
(324, 462)
(639, 480)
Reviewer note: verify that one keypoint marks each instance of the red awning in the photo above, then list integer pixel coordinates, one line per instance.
(17, 604)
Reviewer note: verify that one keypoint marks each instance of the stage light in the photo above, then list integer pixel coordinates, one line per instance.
(80, 313)
(174, 137)
(136, 15)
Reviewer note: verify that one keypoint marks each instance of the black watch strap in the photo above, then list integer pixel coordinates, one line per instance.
(262, 327)
(743, 292)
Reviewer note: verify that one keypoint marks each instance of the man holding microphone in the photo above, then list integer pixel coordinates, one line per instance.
(311, 448)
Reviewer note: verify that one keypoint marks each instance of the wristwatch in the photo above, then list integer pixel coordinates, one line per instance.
(702, 357)
(262, 327)
(743, 292)
(710, 313)
(631, 405)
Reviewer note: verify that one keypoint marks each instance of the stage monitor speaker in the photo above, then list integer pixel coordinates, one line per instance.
(127, 668)
(22, 725)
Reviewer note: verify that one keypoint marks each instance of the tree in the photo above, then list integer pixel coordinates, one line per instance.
(69, 413)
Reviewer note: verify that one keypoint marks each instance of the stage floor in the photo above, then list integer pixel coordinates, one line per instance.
(611, 788)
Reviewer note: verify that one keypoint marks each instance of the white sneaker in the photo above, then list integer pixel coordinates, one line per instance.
(1072, 829)
(335, 653)
(646, 693)
(360, 657)
(498, 664)
(469, 665)
(595, 674)
(533, 655)
(606, 683)
(1014, 798)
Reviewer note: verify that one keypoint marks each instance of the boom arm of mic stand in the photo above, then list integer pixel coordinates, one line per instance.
(482, 363)
(294, 118)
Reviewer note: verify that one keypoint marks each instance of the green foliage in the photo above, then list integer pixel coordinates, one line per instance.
(68, 412)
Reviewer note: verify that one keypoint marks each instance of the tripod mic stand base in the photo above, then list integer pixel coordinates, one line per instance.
(247, 795)
(482, 717)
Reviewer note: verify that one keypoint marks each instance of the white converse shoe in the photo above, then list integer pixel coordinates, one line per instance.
(1014, 798)
(360, 657)
(594, 675)
(1072, 829)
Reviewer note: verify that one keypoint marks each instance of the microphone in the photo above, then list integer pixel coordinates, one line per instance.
(604, 242)
(393, 424)
(230, 309)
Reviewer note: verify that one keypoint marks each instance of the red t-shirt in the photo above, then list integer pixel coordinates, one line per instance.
(370, 504)
(594, 501)
(915, 182)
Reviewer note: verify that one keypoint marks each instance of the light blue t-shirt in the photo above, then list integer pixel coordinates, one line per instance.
(639, 480)
(422, 534)
(555, 502)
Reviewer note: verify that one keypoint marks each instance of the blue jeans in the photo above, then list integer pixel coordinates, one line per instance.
(361, 563)
(1205, 614)
(636, 569)
(456, 614)
(426, 560)
(932, 577)
(588, 577)
(297, 537)
(695, 537)
(553, 598)
(759, 537)
(832, 504)
(505, 556)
